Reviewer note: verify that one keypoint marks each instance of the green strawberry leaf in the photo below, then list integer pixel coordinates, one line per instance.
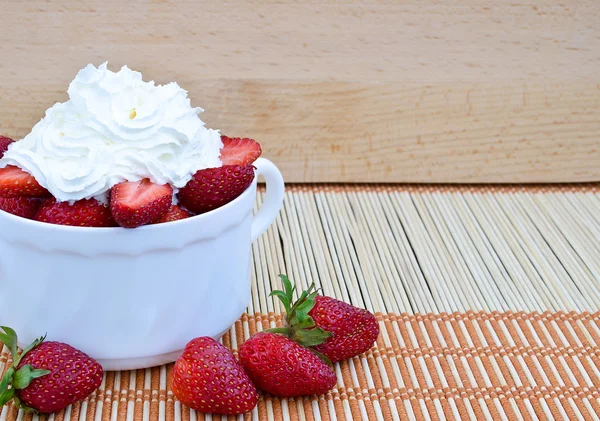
(307, 323)
(300, 327)
(286, 295)
(299, 317)
(9, 338)
(301, 299)
(6, 396)
(307, 304)
(288, 288)
(281, 295)
(285, 331)
(25, 375)
(311, 337)
(6, 380)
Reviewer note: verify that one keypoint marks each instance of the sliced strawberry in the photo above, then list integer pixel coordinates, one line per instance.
(83, 213)
(25, 207)
(174, 214)
(213, 187)
(16, 182)
(239, 151)
(4, 142)
(138, 203)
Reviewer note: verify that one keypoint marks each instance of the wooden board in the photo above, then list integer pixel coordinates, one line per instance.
(384, 91)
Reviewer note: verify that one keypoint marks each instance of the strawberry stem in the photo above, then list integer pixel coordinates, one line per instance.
(6, 380)
(9, 338)
(6, 396)
(299, 326)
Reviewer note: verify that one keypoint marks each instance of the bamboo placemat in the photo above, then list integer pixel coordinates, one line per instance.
(488, 300)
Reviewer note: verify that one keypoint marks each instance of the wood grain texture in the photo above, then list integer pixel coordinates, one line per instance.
(400, 91)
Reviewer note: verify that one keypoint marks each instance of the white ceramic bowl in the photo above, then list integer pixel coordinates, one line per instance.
(133, 298)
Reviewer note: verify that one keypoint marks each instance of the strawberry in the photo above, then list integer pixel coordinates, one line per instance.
(83, 213)
(138, 203)
(214, 187)
(25, 207)
(354, 329)
(239, 151)
(16, 182)
(175, 213)
(47, 376)
(4, 142)
(208, 378)
(351, 330)
(282, 367)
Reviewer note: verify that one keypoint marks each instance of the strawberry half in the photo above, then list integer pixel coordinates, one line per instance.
(4, 142)
(208, 378)
(16, 182)
(214, 187)
(138, 203)
(25, 207)
(47, 376)
(282, 367)
(239, 151)
(83, 213)
(175, 213)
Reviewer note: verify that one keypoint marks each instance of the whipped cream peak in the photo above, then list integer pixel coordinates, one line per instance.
(115, 127)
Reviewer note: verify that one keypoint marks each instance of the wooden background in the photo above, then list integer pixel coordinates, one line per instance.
(401, 91)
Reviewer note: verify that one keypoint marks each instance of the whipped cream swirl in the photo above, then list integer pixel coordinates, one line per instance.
(115, 127)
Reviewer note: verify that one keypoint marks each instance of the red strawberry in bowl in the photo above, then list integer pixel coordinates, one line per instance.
(47, 376)
(4, 143)
(214, 187)
(138, 203)
(208, 378)
(16, 182)
(25, 207)
(83, 213)
(175, 213)
(239, 151)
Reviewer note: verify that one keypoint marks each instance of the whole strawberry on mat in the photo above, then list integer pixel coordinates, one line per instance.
(295, 360)
(47, 376)
(282, 367)
(351, 330)
(208, 378)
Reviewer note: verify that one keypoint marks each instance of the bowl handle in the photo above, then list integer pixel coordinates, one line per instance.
(273, 199)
